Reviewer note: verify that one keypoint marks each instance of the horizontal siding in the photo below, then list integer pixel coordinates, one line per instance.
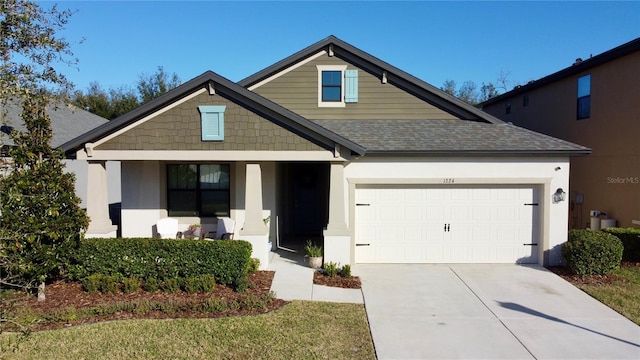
(297, 90)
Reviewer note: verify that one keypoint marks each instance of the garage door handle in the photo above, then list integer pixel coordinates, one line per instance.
(532, 204)
(363, 204)
(532, 244)
(363, 244)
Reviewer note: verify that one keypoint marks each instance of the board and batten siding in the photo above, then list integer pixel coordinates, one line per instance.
(297, 90)
(179, 128)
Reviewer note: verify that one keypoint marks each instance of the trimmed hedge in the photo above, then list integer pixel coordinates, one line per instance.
(590, 252)
(226, 260)
(630, 238)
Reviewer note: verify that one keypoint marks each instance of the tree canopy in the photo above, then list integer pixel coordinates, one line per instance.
(112, 103)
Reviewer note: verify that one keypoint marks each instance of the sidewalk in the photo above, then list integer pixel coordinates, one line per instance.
(293, 280)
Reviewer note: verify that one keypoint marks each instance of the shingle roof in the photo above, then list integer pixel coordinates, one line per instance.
(448, 137)
(67, 122)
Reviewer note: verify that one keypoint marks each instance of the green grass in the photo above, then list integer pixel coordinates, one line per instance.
(622, 296)
(299, 330)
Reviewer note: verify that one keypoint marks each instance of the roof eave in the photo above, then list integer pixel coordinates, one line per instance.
(480, 153)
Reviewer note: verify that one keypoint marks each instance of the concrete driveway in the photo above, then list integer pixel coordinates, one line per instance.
(488, 312)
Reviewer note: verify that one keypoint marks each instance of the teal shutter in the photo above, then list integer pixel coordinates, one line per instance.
(351, 86)
(212, 122)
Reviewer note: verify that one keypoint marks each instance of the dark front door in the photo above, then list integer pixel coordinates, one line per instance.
(306, 195)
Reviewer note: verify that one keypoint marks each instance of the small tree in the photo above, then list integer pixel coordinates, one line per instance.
(38, 202)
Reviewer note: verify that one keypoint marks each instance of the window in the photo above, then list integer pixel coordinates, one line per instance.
(337, 85)
(525, 101)
(584, 97)
(212, 122)
(198, 190)
(331, 86)
(507, 109)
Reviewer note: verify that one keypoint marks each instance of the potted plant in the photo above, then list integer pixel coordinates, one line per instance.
(314, 253)
(195, 230)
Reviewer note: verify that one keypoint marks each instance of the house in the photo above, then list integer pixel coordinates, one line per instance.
(335, 145)
(67, 123)
(593, 102)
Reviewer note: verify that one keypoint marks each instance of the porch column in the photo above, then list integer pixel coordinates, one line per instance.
(100, 224)
(254, 230)
(337, 239)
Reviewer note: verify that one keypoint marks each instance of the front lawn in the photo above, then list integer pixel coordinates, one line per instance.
(299, 330)
(619, 290)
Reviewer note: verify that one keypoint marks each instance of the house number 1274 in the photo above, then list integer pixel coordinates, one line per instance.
(448, 181)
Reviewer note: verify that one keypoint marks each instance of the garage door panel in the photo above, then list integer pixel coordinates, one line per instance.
(446, 224)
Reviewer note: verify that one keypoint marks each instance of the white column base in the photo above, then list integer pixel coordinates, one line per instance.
(104, 232)
(337, 249)
(261, 248)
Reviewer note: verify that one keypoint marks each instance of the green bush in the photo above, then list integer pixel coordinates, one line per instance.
(171, 285)
(630, 238)
(226, 260)
(592, 252)
(130, 285)
(345, 271)
(151, 285)
(253, 265)
(91, 283)
(191, 285)
(331, 268)
(207, 282)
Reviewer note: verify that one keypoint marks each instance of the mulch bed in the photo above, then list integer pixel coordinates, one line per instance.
(63, 295)
(567, 274)
(352, 282)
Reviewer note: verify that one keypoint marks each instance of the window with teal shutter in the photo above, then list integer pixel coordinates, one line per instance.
(351, 86)
(212, 122)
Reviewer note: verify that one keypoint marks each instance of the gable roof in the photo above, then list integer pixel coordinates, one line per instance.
(377, 67)
(578, 67)
(449, 137)
(239, 94)
(67, 122)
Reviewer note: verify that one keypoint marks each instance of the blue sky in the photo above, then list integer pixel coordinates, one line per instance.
(434, 41)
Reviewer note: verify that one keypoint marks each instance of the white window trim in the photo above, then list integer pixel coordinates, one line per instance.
(322, 68)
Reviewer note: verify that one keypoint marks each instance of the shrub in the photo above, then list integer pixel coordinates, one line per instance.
(592, 252)
(345, 270)
(191, 285)
(171, 285)
(207, 283)
(151, 285)
(163, 259)
(130, 285)
(108, 284)
(253, 265)
(331, 268)
(630, 241)
(91, 283)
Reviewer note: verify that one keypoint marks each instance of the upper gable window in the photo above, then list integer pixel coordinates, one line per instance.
(336, 85)
(584, 97)
(212, 122)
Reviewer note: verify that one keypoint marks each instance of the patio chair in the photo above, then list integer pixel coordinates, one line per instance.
(224, 230)
(167, 228)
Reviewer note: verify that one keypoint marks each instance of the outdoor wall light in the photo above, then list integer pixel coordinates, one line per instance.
(559, 195)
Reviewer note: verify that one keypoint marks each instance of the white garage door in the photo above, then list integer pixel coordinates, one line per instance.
(418, 224)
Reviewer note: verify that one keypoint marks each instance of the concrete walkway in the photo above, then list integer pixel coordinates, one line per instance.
(488, 312)
(293, 280)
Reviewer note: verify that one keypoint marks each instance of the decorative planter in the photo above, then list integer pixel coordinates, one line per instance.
(315, 262)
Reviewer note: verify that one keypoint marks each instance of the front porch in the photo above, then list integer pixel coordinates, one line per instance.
(276, 204)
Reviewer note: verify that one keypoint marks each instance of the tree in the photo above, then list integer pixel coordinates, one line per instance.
(154, 85)
(449, 87)
(115, 102)
(488, 91)
(109, 105)
(468, 93)
(41, 219)
(38, 201)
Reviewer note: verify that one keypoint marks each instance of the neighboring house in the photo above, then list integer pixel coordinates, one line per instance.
(335, 145)
(67, 122)
(594, 102)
